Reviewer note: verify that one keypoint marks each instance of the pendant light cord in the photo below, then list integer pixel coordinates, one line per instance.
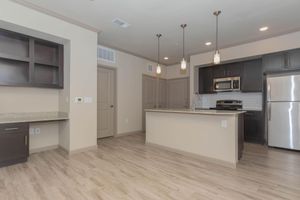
(217, 13)
(183, 42)
(158, 47)
(183, 26)
(217, 33)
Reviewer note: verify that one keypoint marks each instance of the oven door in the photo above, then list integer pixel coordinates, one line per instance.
(223, 84)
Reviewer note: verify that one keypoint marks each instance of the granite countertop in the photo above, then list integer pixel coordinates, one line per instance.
(199, 112)
(6, 118)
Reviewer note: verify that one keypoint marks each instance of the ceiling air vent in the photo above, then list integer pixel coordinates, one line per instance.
(121, 23)
(106, 54)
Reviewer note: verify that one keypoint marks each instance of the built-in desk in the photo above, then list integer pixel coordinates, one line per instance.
(8, 118)
(14, 134)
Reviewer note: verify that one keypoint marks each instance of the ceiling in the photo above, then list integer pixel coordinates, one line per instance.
(239, 22)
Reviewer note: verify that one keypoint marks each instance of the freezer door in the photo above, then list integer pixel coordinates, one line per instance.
(284, 125)
(283, 88)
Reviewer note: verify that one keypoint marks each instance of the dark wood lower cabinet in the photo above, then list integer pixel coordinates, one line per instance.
(14, 143)
(254, 127)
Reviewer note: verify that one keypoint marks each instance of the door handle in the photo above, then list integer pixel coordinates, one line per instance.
(269, 112)
(111, 106)
(11, 129)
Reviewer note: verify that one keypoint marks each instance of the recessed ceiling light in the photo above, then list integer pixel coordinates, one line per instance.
(264, 28)
(166, 58)
(208, 43)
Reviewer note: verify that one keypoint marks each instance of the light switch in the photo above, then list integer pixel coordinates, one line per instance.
(88, 100)
(224, 123)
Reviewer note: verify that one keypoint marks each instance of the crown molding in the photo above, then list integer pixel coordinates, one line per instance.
(56, 15)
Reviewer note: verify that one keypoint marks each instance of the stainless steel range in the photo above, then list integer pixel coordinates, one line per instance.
(228, 105)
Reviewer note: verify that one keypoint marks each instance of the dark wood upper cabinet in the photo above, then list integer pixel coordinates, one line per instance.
(234, 69)
(294, 59)
(205, 80)
(277, 62)
(227, 70)
(252, 79)
(274, 62)
(30, 62)
(219, 71)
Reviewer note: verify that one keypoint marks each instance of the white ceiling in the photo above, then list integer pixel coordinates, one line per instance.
(239, 22)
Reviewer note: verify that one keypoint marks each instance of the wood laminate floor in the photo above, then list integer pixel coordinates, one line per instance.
(125, 168)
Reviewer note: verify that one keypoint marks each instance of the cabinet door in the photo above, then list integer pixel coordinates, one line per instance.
(206, 80)
(13, 143)
(233, 69)
(274, 62)
(253, 127)
(219, 71)
(252, 76)
(294, 59)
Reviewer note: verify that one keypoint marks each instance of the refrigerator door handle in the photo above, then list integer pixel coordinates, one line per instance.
(269, 92)
(269, 111)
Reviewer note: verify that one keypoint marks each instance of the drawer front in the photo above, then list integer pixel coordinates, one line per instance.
(14, 128)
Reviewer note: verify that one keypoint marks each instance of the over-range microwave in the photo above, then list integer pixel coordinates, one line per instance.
(228, 84)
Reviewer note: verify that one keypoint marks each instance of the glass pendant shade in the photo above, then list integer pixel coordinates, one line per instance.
(217, 57)
(183, 64)
(158, 69)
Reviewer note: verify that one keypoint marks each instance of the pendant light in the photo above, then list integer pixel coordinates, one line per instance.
(217, 56)
(183, 61)
(158, 68)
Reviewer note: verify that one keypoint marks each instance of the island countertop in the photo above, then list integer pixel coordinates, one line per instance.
(6, 118)
(198, 112)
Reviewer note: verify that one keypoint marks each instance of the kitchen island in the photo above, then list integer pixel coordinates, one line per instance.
(216, 136)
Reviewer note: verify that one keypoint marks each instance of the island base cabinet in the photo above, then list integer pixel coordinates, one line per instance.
(14, 143)
(254, 130)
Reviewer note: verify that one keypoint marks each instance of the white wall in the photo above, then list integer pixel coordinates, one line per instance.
(275, 44)
(82, 61)
(129, 89)
(174, 71)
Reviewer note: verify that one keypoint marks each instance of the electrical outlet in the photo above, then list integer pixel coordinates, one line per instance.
(78, 100)
(224, 123)
(126, 120)
(37, 131)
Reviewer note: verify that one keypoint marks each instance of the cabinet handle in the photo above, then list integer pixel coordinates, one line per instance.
(26, 139)
(269, 112)
(11, 129)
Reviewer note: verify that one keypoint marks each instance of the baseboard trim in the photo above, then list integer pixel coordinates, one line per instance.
(193, 155)
(129, 133)
(76, 151)
(41, 149)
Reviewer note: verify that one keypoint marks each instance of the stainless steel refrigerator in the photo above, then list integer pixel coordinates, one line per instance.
(283, 111)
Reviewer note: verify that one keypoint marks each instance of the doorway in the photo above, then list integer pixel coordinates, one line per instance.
(106, 102)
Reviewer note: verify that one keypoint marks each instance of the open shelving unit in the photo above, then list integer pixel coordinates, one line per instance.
(30, 62)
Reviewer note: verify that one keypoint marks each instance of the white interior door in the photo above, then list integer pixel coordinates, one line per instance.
(106, 101)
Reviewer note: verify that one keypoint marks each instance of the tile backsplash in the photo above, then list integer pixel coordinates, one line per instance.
(251, 101)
